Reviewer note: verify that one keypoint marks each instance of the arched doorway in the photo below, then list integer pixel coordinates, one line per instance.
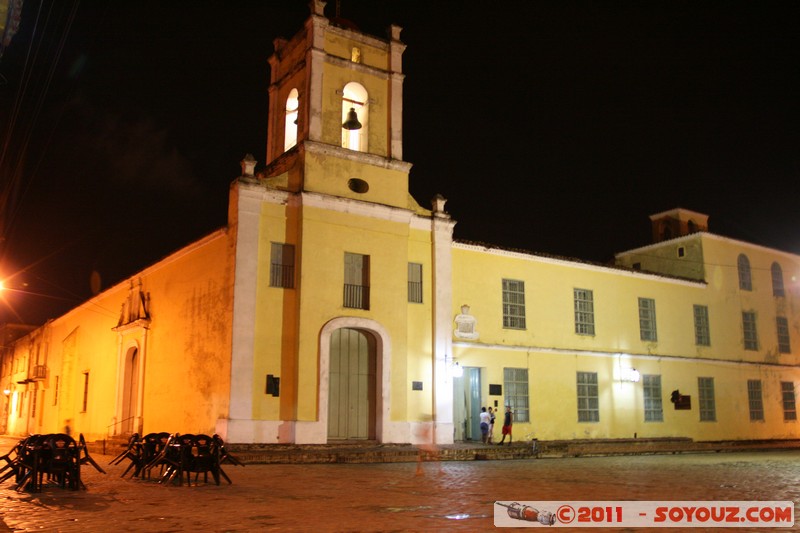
(352, 385)
(130, 392)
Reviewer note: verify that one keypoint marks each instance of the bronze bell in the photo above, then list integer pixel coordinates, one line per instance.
(352, 122)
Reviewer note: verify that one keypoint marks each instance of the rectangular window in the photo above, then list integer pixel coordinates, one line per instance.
(755, 400)
(789, 405)
(750, 333)
(513, 304)
(705, 393)
(34, 394)
(702, 332)
(647, 319)
(85, 392)
(515, 382)
(588, 398)
(653, 409)
(356, 281)
(584, 311)
(783, 335)
(55, 391)
(415, 283)
(281, 268)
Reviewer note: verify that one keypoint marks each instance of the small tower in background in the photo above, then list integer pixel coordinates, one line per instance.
(677, 223)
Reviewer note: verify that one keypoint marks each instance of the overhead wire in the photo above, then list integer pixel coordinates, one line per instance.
(11, 182)
(15, 169)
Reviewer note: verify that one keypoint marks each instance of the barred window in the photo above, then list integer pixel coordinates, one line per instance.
(708, 409)
(415, 283)
(85, 392)
(777, 280)
(515, 382)
(653, 408)
(788, 398)
(584, 311)
(745, 281)
(588, 398)
(702, 332)
(281, 268)
(784, 346)
(647, 319)
(755, 400)
(750, 332)
(356, 281)
(513, 304)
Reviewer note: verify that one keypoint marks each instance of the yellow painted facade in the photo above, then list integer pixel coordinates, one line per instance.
(333, 306)
(143, 355)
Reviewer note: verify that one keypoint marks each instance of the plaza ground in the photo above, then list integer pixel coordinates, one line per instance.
(445, 495)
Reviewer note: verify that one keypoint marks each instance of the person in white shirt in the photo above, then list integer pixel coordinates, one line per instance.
(485, 418)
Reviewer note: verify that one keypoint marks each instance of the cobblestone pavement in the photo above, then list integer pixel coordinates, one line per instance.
(391, 497)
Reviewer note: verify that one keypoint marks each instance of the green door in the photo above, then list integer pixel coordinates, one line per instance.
(351, 401)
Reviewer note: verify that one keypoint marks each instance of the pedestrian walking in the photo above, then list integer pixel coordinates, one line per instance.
(484, 425)
(491, 425)
(507, 421)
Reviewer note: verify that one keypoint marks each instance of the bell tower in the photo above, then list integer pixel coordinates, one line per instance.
(337, 93)
(324, 238)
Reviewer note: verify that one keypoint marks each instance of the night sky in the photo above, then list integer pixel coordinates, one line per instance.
(555, 127)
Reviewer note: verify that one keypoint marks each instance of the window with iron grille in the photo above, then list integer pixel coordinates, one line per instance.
(784, 346)
(777, 280)
(513, 304)
(515, 383)
(647, 319)
(584, 311)
(588, 397)
(702, 332)
(745, 281)
(788, 398)
(85, 392)
(749, 328)
(755, 400)
(653, 408)
(281, 268)
(356, 281)
(705, 393)
(415, 283)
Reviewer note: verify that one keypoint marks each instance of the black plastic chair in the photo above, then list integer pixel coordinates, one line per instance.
(84, 457)
(203, 458)
(30, 463)
(60, 461)
(225, 457)
(12, 460)
(133, 453)
(153, 445)
(167, 459)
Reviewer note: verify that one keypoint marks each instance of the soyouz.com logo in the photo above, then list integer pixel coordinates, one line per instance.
(703, 514)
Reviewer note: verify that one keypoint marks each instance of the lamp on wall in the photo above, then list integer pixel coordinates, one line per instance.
(630, 374)
(456, 370)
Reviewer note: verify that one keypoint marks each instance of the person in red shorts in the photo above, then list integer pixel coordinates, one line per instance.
(506, 426)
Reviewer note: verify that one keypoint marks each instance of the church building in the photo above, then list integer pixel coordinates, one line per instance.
(334, 307)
